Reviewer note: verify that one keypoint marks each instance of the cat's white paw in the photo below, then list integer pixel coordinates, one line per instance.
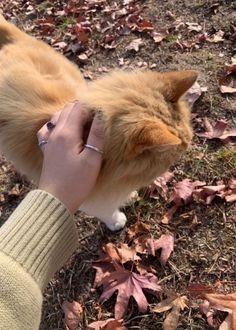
(117, 222)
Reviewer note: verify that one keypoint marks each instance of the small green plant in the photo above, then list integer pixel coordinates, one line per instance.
(226, 154)
(69, 20)
(171, 39)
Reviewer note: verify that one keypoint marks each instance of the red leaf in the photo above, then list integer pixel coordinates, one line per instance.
(73, 313)
(128, 284)
(218, 131)
(148, 245)
(110, 324)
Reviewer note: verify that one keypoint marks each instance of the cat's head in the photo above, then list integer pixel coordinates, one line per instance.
(147, 125)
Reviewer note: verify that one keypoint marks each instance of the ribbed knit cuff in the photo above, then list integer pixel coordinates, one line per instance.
(40, 235)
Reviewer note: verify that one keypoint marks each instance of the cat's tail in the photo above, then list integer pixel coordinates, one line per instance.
(8, 32)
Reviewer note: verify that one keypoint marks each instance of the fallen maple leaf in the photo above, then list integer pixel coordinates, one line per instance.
(169, 214)
(159, 36)
(159, 186)
(217, 37)
(208, 193)
(128, 284)
(147, 245)
(166, 244)
(193, 27)
(109, 324)
(198, 290)
(176, 305)
(121, 253)
(209, 312)
(137, 229)
(226, 303)
(231, 192)
(218, 131)
(183, 191)
(182, 195)
(194, 93)
(227, 89)
(73, 313)
(135, 45)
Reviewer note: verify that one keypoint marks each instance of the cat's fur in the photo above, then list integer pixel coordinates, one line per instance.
(147, 127)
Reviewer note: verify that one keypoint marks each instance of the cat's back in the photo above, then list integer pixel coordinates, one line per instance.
(29, 65)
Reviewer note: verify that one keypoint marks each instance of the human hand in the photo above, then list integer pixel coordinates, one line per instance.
(70, 170)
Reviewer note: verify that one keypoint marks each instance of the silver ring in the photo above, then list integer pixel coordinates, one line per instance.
(89, 146)
(42, 142)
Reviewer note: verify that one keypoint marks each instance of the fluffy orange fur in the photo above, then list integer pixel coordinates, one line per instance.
(147, 125)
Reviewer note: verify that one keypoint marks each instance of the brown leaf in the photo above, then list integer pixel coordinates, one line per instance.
(176, 305)
(147, 245)
(194, 93)
(15, 191)
(198, 290)
(183, 192)
(128, 284)
(159, 186)
(217, 37)
(218, 131)
(137, 229)
(169, 214)
(226, 303)
(135, 45)
(159, 36)
(166, 244)
(73, 313)
(110, 324)
(193, 27)
(208, 193)
(209, 312)
(227, 89)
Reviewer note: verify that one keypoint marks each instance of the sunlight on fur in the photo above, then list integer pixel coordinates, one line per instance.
(147, 126)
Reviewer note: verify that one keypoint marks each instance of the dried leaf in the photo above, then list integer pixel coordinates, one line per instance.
(198, 290)
(159, 36)
(147, 245)
(128, 284)
(218, 131)
(159, 186)
(226, 303)
(135, 45)
(217, 37)
(73, 313)
(209, 312)
(169, 214)
(109, 324)
(176, 305)
(137, 229)
(194, 93)
(194, 27)
(183, 192)
(227, 89)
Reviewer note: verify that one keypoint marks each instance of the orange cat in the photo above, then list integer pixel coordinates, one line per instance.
(147, 126)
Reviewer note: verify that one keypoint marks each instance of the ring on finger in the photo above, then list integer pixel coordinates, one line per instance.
(89, 146)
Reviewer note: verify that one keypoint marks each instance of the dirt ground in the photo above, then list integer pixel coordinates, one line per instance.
(204, 252)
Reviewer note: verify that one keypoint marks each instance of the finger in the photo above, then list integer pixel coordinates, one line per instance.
(96, 134)
(63, 115)
(95, 139)
(78, 118)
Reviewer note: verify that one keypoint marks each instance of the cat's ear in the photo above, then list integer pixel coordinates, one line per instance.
(176, 83)
(151, 136)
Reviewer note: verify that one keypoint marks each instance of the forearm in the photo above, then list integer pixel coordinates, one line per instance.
(34, 243)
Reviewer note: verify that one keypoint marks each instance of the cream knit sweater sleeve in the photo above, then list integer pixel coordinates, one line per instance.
(35, 242)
